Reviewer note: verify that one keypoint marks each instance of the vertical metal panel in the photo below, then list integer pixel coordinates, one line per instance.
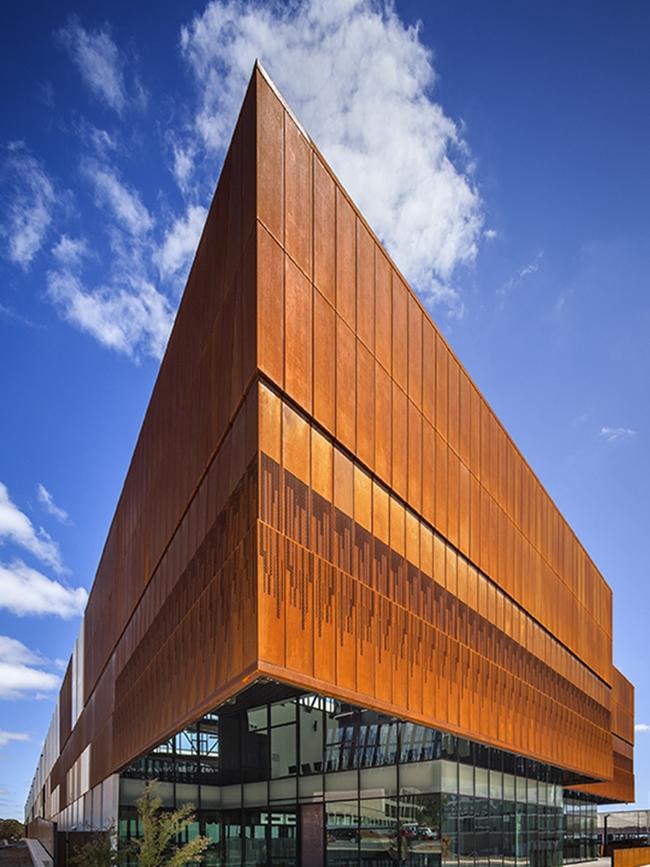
(345, 260)
(428, 370)
(322, 466)
(383, 310)
(442, 386)
(383, 423)
(324, 362)
(298, 196)
(400, 332)
(414, 458)
(345, 384)
(365, 414)
(270, 170)
(270, 424)
(365, 294)
(270, 307)
(414, 352)
(428, 471)
(399, 441)
(298, 335)
(324, 231)
(295, 445)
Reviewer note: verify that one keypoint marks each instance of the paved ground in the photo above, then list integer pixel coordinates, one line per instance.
(15, 855)
(26, 853)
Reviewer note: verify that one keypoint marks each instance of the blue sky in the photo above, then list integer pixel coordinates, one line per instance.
(499, 149)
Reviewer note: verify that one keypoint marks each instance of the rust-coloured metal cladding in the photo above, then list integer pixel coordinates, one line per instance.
(406, 411)
(320, 494)
(345, 398)
(185, 521)
(621, 787)
(324, 231)
(366, 286)
(383, 422)
(636, 856)
(298, 343)
(270, 132)
(365, 413)
(324, 361)
(345, 259)
(298, 196)
(270, 306)
(383, 314)
(450, 626)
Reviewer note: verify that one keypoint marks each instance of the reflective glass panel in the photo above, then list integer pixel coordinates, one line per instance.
(420, 817)
(283, 751)
(342, 832)
(282, 836)
(310, 716)
(377, 829)
(255, 827)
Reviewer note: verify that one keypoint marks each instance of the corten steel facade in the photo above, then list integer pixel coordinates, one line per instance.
(321, 499)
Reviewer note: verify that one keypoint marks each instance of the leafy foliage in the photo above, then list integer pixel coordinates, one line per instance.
(11, 829)
(161, 829)
(97, 852)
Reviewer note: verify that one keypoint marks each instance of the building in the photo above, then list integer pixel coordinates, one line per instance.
(624, 828)
(336, 610)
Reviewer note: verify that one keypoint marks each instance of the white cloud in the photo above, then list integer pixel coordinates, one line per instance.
(47, 500)
(183, 167)
(70, 251)
(30, 203)
(6, 737)
(529, 268)
(125, 203)
(129, 319)
(642, 727)
(361, 82)
(611, 434)
(181, 241)
(125, 312)
(490, 234)
(532, 267)
(16, 527)
(25, 591)
(102, 142)
(14, 651)
(21, 671)
(99, 61)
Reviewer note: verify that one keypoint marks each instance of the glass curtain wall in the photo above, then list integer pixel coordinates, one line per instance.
(311, 780)
(581, 837)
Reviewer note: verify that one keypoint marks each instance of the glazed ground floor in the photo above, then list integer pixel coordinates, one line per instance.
(281, 777)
